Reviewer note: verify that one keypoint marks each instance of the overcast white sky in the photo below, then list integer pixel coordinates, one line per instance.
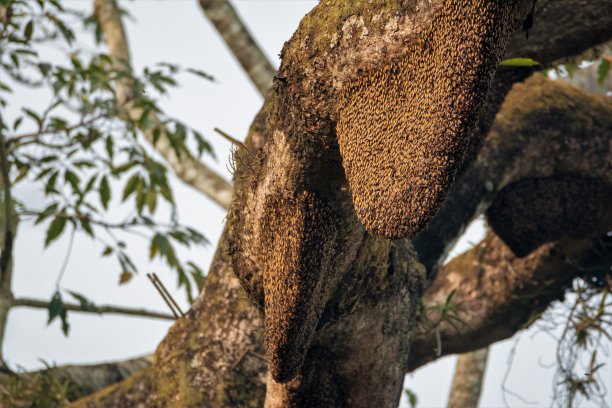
(176, 31)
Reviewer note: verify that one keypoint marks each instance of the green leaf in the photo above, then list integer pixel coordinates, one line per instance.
(22, 173)
(72, 179)
(109, 145)
(50, 186)
(602, 71)
(85, 303)
(86, 225)
(518, 62)
(44, 69)
(29, 29)
(33, 115)
(130, 186)
(151, 200)
(156, 135)
(201, 74)
(141, 194)
(17, 123)
(57, 309)
(55, 230)
(105, 193)
(412, 397)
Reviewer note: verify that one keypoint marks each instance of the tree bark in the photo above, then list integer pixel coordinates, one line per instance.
(78, 380)
(468, 379)
(213, 355)
(240, 42)
(499, 293)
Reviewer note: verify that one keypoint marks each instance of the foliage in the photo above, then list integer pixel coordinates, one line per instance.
(41, 389)
(85, 141)
(429, 318)
(580, 348)
(518, 62)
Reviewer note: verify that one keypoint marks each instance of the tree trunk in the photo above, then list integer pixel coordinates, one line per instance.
(214, 356)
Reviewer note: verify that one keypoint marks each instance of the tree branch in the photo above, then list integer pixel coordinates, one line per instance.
(498, 293)
(8, 229)
(186, 167)
(468, 379)
(242, 45)
(103, 309)
(79, 380)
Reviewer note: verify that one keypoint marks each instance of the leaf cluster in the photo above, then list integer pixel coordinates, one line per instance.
(86, 141)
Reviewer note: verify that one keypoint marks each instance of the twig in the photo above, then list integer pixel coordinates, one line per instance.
(231, 139)
(163, 287)
(162, 294)
(38, 134)
(105, 309)
(239, 359)
(66, 259)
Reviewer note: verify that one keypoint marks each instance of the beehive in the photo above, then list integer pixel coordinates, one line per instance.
(403, 129)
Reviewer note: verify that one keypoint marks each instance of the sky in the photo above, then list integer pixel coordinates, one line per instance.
(177, 31)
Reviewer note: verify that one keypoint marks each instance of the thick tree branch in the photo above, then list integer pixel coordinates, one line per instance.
(78, 380)
(8, 230)
(498, 292)
(242, 45)
(186, 167)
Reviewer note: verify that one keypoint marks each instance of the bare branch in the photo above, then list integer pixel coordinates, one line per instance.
(186, 167)
(242, 45)
(468, 379)
(104, 309)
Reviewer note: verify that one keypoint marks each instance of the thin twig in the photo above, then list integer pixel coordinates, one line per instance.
(38, 134)
(161, 292)
(105, 309)
(231, 139)
(163, 287)
(239, 359)
(66, 259)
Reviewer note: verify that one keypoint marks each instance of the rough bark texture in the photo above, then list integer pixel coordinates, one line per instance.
(79, 380)
(237, 37)
(213, 356)
(468, 379)
(499, 292)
